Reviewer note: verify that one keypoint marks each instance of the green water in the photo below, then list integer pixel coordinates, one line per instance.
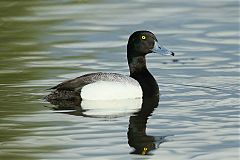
(45, 42)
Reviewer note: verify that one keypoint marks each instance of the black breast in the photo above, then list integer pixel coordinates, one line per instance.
(147, 82)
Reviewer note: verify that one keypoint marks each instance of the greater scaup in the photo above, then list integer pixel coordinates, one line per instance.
(103, 86)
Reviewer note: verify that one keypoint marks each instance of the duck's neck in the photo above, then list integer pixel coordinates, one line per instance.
(137, 65)
(139, 71)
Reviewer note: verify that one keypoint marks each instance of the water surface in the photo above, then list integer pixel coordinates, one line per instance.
(45, 42)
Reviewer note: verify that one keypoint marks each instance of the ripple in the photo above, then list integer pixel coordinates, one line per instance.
(65, 63)
(223, 34)
(213, 41)
(85, 45)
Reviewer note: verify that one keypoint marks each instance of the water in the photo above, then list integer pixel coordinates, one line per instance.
(45, 42)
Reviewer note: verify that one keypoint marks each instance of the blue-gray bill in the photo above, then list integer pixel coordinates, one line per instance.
(161, 50)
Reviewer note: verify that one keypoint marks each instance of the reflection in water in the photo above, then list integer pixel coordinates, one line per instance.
(97, 109)
(137, 137)
(68, 107)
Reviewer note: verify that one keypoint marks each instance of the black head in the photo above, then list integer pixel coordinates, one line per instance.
(141, 43)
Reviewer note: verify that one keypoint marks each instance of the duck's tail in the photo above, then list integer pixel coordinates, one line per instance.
(62, 95)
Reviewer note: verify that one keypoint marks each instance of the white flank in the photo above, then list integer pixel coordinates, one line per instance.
(109, 90)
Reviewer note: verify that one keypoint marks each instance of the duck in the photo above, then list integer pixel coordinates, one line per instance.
(110, 86)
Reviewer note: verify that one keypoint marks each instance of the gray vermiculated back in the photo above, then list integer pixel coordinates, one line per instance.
(79, 82)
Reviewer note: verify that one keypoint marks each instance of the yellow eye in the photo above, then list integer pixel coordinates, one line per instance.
(143, 37)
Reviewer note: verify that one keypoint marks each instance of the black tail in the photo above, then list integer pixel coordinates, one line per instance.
(62, 95)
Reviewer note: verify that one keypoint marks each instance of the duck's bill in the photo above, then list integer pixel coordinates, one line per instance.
(161, 50)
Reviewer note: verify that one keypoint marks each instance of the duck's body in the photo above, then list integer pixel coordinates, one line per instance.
(102, 86)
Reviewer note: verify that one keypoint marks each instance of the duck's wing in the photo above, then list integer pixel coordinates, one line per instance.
(77, 83)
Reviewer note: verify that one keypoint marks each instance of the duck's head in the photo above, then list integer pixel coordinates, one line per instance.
(141, 43)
